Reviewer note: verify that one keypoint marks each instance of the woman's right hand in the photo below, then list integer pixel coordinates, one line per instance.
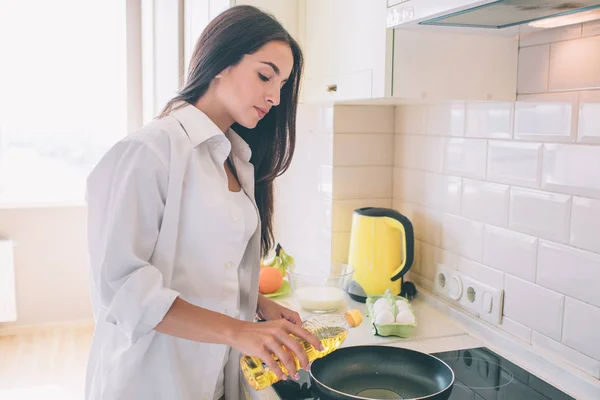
(263, 339)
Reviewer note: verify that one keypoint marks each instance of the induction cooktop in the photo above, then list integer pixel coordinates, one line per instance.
(480, 374)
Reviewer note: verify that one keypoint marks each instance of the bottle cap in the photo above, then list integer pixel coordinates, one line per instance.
(354, 318)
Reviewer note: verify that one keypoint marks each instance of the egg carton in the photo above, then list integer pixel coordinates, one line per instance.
(391, 329)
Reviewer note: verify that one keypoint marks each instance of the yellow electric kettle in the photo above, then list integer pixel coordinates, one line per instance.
(382, 248)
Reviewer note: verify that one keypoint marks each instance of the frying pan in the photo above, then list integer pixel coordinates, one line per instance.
(381, 372)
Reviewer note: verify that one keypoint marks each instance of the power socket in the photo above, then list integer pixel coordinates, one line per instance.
(485, 300)
(447, 283)
(477, 298)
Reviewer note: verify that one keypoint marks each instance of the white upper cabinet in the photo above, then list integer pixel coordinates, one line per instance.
(443, 65)
(345, 49)
(350, 54)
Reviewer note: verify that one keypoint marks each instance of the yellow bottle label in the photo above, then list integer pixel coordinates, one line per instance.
(259, 375)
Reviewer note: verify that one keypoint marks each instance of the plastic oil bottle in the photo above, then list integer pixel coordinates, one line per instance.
(331, 330)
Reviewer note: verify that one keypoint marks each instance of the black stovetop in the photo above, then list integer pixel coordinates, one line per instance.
(480, 374)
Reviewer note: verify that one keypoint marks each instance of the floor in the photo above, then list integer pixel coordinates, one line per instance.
(46, 363)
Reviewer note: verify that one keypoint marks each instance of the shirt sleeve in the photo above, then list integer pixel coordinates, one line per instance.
(126, 195)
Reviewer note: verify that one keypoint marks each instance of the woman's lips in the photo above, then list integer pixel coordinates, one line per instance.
(261, 111)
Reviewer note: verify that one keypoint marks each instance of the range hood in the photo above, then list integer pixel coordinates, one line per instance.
(488, 14)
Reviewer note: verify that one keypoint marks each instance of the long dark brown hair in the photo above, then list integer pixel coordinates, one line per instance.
(238, 31)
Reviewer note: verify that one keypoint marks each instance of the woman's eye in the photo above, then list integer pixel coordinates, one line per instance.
(263, 78)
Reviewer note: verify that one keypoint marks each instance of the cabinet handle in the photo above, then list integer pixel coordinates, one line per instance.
(332, 88)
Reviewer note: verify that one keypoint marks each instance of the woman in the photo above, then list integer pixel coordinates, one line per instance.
(180, 213)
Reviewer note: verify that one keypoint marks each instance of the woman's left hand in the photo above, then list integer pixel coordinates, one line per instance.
(270, 310)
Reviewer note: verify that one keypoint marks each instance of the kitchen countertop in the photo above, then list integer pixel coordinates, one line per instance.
(434, 332)
(444, 327)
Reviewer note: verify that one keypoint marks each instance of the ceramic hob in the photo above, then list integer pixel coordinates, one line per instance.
(480, 374)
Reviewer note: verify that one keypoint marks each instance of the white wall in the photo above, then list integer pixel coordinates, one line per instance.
(509, 193)
(50, 263)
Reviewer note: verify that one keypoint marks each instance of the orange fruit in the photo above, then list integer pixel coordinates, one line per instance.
(269, 280)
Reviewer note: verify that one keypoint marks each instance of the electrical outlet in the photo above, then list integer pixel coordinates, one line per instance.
(447, 283)
(482, 299)
(470, 298)
(479, 299)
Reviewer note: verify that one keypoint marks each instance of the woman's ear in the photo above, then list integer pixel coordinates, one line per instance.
(223, 73)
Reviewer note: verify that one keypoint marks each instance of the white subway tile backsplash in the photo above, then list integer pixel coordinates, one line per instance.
(511, 252)
(550, 35)
(585, 220)
(363, 119)
(489, 120)
(534, 306)
(363, 149)
(537, 238)
(424, 152)
(466, 157)
(411, 119)
(591, 28)
(482, 273)
(417, 259)
(432, 256)
(343, 211)
(515, 163)
(575, 65)
(572, 169)
(362, 182)
(426, 222)
(582, 327)
(402, 150)
(543, 214)
(409, 185)
(429, 224)
(485, 202)
(570, 271)
(462, 236)
(589, 117)
(429, 256)
(446, 119)
(516, 329)
(546, 117)
(566, 353)
(532, 76)
(442, 192)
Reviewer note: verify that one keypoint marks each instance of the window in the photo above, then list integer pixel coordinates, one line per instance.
(63, 95)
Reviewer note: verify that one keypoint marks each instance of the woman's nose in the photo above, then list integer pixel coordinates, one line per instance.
(273, 97)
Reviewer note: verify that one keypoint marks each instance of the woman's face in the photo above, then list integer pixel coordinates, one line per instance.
(251, 88)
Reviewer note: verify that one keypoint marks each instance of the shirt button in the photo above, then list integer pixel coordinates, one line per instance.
(205, 396)
(225, 311)
(229, 265)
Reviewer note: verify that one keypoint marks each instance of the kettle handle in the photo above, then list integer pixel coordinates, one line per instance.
(402, 223)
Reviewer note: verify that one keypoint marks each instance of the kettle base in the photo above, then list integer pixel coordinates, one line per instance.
(355, 297)
(357, 293)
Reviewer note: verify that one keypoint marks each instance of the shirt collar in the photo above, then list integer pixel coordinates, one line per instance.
(200, 128)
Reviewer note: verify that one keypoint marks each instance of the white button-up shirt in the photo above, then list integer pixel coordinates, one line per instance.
(162, 224)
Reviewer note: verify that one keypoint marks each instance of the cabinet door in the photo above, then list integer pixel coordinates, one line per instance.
(442, 65)
(345, 39)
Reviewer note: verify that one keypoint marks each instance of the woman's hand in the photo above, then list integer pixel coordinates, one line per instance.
(265, 339)
(270, 310)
